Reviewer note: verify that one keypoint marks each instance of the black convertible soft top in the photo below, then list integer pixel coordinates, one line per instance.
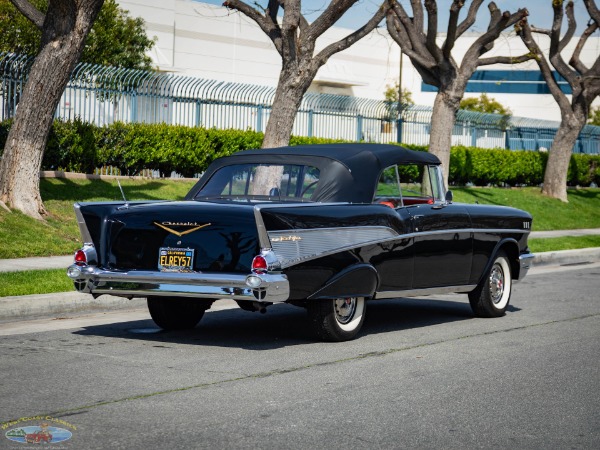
(348, 172)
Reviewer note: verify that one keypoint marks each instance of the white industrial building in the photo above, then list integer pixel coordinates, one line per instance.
(212, 42)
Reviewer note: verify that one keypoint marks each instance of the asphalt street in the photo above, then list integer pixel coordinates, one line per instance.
(423, 374)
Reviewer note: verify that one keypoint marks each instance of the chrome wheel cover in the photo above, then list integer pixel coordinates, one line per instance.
(496, 283)
(345, 308)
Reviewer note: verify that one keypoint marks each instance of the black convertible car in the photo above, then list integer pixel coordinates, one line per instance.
(324, 227)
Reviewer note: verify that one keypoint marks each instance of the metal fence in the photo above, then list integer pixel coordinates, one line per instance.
(103, 95)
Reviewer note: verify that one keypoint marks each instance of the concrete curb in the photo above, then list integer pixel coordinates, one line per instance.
(562, 257)
(44, 305)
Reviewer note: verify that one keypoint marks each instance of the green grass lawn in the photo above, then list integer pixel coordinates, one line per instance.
(21, 236)
(563, 243)
(582, 211)
(31, 282)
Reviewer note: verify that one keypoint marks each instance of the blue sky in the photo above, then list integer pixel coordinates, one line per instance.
(540, 12)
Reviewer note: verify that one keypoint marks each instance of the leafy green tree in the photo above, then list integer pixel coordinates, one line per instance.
(484, 104)
(391, 100)
(391, 95)
(116, 39)
(594, 116)
(19, 35)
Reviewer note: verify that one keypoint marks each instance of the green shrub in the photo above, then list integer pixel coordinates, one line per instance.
(71, 146)
(81, 147)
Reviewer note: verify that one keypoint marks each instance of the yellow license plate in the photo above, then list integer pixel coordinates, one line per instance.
(175, 259)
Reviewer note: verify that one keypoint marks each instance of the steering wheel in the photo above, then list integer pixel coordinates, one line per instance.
(307, 188)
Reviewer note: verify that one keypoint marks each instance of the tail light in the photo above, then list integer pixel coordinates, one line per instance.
(259, 264)
(80, 258)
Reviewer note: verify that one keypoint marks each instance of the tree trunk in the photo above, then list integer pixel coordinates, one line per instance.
(442, 125)
(286, 103)
(65, 29)
(559, 157)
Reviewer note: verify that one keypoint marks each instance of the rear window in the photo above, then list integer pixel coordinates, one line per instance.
(262, 182)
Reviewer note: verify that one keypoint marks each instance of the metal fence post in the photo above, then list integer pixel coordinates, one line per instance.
(399, 124)
(309, 126)
(473, 129)
(259, 118)
(359, 128)
(198, 113)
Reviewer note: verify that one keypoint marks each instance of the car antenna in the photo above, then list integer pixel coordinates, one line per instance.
(123, 194)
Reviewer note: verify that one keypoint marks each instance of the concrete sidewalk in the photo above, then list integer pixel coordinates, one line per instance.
(36, 263)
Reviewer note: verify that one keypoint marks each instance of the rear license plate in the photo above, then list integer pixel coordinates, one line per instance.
(175, 259)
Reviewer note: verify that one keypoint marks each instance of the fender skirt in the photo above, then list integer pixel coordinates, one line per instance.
(358, 280)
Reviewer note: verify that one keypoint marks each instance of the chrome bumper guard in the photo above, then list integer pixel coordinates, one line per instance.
(525, 263)
(136, 283)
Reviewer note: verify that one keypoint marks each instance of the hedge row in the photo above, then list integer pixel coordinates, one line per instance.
(81, 147)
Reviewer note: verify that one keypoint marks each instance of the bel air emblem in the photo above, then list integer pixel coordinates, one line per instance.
(194, 225)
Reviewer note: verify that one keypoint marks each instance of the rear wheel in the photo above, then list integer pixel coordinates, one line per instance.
(337, 320)
(491, 298)
(174, 313)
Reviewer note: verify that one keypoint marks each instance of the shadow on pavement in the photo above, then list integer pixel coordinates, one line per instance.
(285, 325)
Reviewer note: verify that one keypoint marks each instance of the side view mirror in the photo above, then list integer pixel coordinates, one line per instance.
(449, 196)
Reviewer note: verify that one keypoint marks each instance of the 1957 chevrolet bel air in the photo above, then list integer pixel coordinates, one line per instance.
(324, 227)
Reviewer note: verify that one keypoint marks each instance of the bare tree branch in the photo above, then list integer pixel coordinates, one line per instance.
(557, 93)
(30, 11)
(470, 19)
(346, 42)
(570, 30)
(555, 57)
(289, 29)
(575, 61)
(505, 59)
(452, 27)
(415, 35)
(417, 9)
(332, 13)
(500, 22)
(399, 33)
(267, 23)
(592, 10)
(432, 18)
(540, 30)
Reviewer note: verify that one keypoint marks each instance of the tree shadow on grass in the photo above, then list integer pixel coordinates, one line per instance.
(587, 194)
(479, 195)
(101, 190)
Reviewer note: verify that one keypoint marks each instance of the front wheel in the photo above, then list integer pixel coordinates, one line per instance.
(337, 320)
(491, 298)
(174, 313)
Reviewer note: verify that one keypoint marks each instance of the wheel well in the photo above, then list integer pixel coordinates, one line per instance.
(511, 248)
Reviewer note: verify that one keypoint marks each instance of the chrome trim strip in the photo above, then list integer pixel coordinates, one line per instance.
(273, 288)
(288, 260)
(294, 246)
(263, 237)
(427, 291)
(83, 229)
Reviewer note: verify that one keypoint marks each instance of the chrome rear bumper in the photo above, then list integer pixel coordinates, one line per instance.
(136, 283)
